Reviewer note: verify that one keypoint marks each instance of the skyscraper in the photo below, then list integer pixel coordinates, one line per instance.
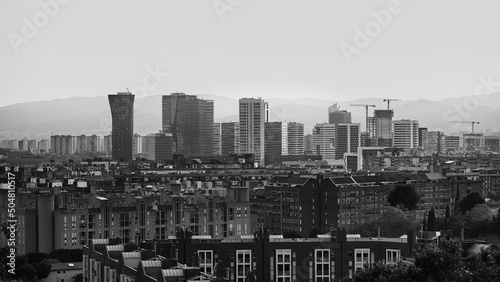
(283, 138)
(347, 139)
(423, 142)
(158, 146)
(405, 134)
(323, 139)
(252, 118)
(295, 138)
(190, 120)
(230, 138)
(122, 114)
(217, 139)
(335, 115)
(383, 126)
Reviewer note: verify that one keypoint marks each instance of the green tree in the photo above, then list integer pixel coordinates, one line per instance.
(392, 223)
(314, 232)
(78, 277)
(43, 270)
(431, 220)
(404, 196)
(470, 201)
(292, 234)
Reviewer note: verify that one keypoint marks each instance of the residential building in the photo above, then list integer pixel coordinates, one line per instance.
(347, 139)
(252, 114)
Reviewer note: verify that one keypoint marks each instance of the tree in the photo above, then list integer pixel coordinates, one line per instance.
(392, 223)
(431, 220)
(78, 277)
(470, 201)
(447, 213)
(314, 232)
(43, 270)
(404, 196)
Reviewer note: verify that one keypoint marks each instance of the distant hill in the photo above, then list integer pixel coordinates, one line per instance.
(91, 115)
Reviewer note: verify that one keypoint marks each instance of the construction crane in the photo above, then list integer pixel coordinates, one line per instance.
(471, 122)
(366, 107)
(389, 101)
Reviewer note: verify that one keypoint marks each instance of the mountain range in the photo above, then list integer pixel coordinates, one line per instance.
(91, 115)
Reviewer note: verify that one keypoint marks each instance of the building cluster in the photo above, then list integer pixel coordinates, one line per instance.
(256, 257)
(188, 130)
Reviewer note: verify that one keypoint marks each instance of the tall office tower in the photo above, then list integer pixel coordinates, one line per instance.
(230, 138)
(81, 144)
(335, 115)
(383, 126)
(308, 145)
(436, 141)
(217, 139)
(423, 141)
(323, 140)
(122, 130)
(347, 139)
(137, 145)
(405, 134)
(252, 117)
(295, 138)
(190, 120)
(158, 146)
(276, 139)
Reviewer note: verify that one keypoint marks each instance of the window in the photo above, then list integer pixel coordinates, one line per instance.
(392, 256)
(322, 262)
(361, 257)
(206, 261)
(283, 265)
(243, 264)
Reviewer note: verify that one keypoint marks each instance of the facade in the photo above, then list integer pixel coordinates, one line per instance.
(451, 142)
(252, 115)
(295, 138)
(217, 139)
(190, 121)
(405, 134)
(323, 140)
(62, 144)
(347, 139)
(258, 257)
(230, 138)
(382, 120)
(423, 139)
(473, 141)
(335, 115)
(308, 145)
(436, 141)
(158, 146)
(122, 115)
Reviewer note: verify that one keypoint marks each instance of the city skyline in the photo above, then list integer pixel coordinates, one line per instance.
(309, 50)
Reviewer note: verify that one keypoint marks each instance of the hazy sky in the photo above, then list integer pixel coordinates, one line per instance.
(237, 48)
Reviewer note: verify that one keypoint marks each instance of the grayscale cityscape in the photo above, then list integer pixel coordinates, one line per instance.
(249, 141)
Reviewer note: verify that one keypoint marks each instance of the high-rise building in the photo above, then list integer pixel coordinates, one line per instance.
(451, 142)
(81, 144)
(158, 146)
(252, 118)
(308, 145)
(323, 140)
(137, 144)
(62, 144)
(107, 145)
(423, 140)
(230, 138)
(347, 139)
(383, 126)
(217, 139)
(44, 146)
(335, 115)
(276, 139)
(295, 138)
(436, 141)
(190, 120)
(405, 134)
(122, 114)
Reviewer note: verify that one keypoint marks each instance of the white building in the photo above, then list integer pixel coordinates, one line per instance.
(405, 134)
